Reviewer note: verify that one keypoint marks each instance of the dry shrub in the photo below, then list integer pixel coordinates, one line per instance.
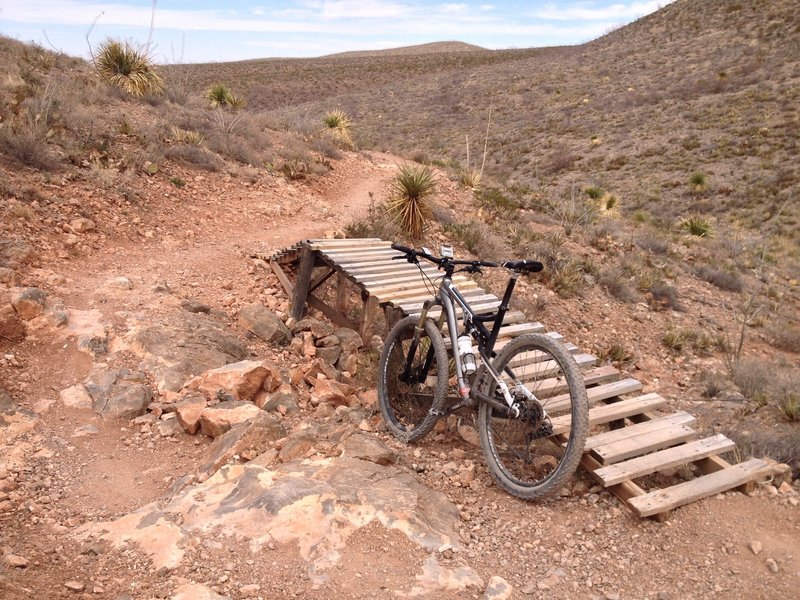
(614, 281)
(730, 281)
(195, 155)
(25, 139)
(561, 159)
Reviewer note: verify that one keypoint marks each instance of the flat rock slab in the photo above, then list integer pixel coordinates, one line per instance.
(119, 393)
(315, 504)
(240, 380)
(182, 345)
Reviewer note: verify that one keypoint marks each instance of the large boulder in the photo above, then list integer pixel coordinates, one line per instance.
(312, 505)
(265, 324)
(188, 410)
(368, 448)
(14, 254)
(182, 345)
(119, 393)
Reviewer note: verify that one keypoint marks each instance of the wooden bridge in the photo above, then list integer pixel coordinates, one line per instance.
(633, 435)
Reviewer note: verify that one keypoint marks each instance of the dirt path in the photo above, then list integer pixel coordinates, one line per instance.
(72, 467)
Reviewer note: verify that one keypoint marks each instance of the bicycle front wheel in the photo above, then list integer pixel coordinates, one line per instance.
(412, 379)
(533, 453)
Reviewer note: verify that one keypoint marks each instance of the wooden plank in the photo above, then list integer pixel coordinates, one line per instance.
(611, 412)
(378, 279)
(383, 266)
(369, 309)
(325, 245)
(665, 459)
(624, 490)
(282, 277)
(400, 292)
(601, 392)
(615, 435)
(419, 286)
(666, 499)
(304, 272)
(471, 295)
(361, 254)
(642, 444)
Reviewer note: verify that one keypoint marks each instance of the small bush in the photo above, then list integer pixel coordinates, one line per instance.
(220, 95)
(753, 378)
(375, 224)
(568, 278)
(494, 201)
(665, 296)
(616, 284)
(784, 336)
(697, 226)
(339, 126)
(195, 155)
(698, 182)
(184, 136)
(128, 68)
(25, 138)
(615, 353)
(177, 182)
(723, 279)
(572, 211)
(561, 159)
(408, 203)
(594, 192)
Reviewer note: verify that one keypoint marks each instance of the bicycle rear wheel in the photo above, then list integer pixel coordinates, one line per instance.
(533, 454)
(411, 402)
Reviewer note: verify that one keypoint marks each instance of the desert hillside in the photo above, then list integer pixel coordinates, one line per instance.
(167, 431)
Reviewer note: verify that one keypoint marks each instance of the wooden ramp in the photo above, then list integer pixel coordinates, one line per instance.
(637, 444)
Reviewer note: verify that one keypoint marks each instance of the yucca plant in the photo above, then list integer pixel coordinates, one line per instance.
(697, 226)
(184, 136)
(220, 95)
(339, 126)
(408, 202)
(128, 68)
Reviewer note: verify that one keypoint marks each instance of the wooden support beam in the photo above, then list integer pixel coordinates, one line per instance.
(282, 277)
(341, 292)
(369, 309)
(333, 314)
(301, 288)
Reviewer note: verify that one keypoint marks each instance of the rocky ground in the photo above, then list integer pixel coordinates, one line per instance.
(166, 433)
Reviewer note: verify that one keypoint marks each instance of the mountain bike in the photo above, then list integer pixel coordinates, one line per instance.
(528, 391)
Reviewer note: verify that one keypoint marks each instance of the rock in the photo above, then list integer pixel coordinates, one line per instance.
(240, 380)
(14, 561)
(349, 363)
(319, 329)
(188, 410)
(365, 447)
(75, 586)
(265, 324)
(120, 283)
(329, 355)
(349, 339)
(29, 303)
(772, 565)
(247, 440)
(249, 591)
(436, 577)
(193, 306)
(332, 392)
(85, 430)
(312, 505)
(283, 400)
(14, 254)
(498, 589)
(196, 591)
(320, 366)
(182, 345)
(119, 393)
(296, 446)
(469, 435)
(328, 341)
(376, 344)
(216, 420)
(6, 275)
(11, 326)
(82, 225)
(76, 396)
(755, 547)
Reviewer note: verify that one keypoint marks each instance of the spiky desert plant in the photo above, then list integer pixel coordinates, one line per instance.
(128, 68)
(408, 201)
(220, 95)
(697, 226)
(339, 126)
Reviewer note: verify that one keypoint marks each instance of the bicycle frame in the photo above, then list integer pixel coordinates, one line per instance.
(448, 297)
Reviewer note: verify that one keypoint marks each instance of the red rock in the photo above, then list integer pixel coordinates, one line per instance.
(240, 380)
(188, 412)
(216, 420)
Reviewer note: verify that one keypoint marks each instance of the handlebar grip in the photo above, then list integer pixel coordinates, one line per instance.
(401, 248)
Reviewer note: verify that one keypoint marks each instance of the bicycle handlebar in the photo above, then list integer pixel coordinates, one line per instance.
(530, 266)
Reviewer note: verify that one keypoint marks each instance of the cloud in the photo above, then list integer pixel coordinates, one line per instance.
(453, 8)
(618, 12)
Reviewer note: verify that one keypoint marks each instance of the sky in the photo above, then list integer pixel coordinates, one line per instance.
(192, 31)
